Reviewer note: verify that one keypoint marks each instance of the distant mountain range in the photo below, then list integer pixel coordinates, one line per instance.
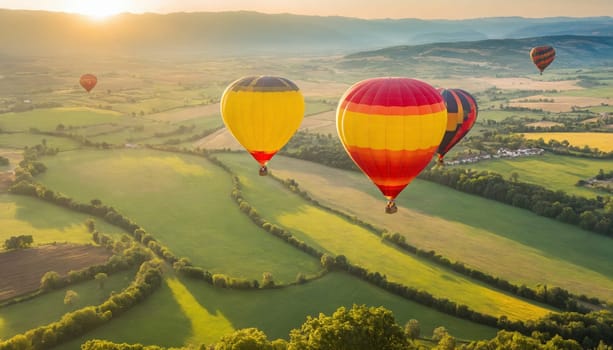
(500, 55)
(251, 33)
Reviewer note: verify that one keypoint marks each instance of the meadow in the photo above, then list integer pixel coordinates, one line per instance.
(185, 311)
(507, 242)
(49, 307)
(49, 119)
(568, 171)
(184, 202)
(47, 223)
(19, 140)
(335, 235)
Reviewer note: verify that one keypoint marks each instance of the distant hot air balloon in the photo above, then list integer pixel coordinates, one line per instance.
(542, 56)
(262, 113)
(462, 113)
(88, 81)
(391, 127)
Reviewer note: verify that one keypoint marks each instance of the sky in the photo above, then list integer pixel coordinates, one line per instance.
(426, 9)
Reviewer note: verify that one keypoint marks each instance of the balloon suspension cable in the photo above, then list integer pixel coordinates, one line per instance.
(391, 207)
(263, 170)
(440, 161)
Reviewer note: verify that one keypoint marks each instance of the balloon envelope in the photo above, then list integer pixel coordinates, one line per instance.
(262, 113)
(88, 81)
(462, 113)
(542, 56)
(391, 127)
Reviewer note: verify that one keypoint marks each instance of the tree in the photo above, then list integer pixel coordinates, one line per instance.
(19, 242)
(101, 277)
(358, 328)
(90, 224)
(244, 339)
(412, 329)
(327, 262)
(514, 177)
(438, 333)
(267, 280)
(447, 342)
(71, 297)
(50, 280)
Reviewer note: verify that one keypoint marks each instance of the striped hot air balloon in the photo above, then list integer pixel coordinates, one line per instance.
(88, 81)
(462, 113)
(391, 128)
(262, 113)
(542, 56)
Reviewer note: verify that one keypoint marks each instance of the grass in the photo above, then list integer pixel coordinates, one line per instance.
(50, 307)
(21, 140)
(498, 115)
(47, 223)
(600, 140)
(316, 107)
(191, 312)
(568, 170)
(48, 119)
(183, 201)
(504, 241)
(336, 235)
(601, 91)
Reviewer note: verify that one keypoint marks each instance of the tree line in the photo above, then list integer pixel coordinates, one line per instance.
(588, 214)
(76, 323)
(366, 328)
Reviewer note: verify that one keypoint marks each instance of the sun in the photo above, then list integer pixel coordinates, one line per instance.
(99, 9)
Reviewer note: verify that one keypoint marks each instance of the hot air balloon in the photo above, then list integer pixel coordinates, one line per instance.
(262, 113)
(542, 56)
(461, 116)
(391, 128)
(88, 81)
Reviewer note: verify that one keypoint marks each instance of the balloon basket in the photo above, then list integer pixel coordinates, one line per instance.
(263, 171)
(391, 208)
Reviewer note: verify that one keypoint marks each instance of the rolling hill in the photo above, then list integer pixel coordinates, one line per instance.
(497, 55)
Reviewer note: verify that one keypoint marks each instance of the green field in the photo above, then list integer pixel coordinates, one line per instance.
(187, 311)
(49, 307)
(493, 237)
(183, 201)
(47, 223)
(336, 235)
(49, 119)
(539, 170)
(498, 115)
(22, 139)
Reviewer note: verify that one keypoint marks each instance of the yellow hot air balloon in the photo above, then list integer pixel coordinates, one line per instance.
(262, 113)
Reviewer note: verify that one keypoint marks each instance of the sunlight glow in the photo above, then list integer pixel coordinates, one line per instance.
(99, 9)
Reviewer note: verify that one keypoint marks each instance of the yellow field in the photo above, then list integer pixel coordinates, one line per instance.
(603, 141)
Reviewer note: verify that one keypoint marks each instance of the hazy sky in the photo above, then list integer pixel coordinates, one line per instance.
(427, 9)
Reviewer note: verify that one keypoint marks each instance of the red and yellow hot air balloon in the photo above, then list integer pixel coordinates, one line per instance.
(262, 113)
(391, 128)
(462, 113)
(88, 81)
(542, 56)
